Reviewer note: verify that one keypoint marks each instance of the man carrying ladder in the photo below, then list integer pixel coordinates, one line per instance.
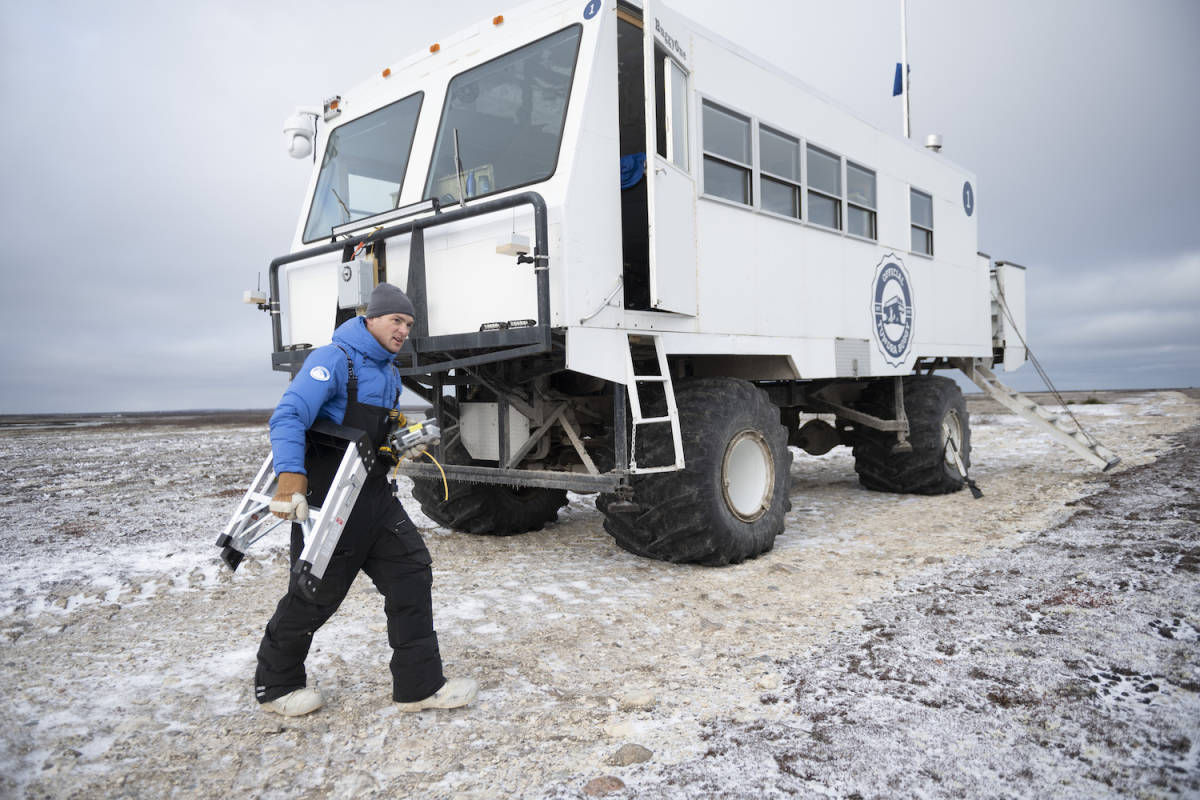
(353, 382)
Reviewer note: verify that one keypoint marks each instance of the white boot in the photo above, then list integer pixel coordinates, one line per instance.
(297, 703)
(457, 692)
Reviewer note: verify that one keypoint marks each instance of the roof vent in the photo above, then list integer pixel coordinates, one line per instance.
(934, 142)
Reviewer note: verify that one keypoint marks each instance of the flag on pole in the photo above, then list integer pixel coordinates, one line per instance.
(897, 86)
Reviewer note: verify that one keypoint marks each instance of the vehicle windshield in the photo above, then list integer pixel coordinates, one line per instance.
(363, 168)
(509, 115)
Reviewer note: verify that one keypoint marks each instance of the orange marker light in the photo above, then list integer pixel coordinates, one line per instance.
(433, 48)
(499, 18)
(333, 104)
(387, 72)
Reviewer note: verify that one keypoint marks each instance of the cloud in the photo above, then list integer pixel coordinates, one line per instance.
(1127, 324)
(1142, 303)
(147, 184)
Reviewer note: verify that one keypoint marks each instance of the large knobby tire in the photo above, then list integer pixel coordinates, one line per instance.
(481, 507)
(938, 427)
(729, 503)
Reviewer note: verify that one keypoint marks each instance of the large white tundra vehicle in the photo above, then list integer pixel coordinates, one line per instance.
(644, 263)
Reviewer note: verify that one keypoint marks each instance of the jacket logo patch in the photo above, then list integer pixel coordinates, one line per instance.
(319, 374)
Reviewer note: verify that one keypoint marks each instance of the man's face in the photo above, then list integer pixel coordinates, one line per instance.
(390, 330)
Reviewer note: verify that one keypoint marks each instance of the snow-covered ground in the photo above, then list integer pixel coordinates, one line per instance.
(1041, 641)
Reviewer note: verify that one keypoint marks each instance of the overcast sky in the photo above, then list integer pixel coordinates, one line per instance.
(147, 183)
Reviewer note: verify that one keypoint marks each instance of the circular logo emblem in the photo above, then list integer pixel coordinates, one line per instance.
(319, 373)
(968, 198)
(892, 309)
(591, 9)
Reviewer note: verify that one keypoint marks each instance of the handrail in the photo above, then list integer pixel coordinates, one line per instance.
(416, 272)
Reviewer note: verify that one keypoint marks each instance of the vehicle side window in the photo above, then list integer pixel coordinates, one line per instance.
(921, 214)
(860, 194)
(727, 156)
(824, 188)
(670, 82)
(779, 172)
(791, 176)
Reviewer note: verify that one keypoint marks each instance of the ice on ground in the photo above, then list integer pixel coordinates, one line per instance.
(130, 646)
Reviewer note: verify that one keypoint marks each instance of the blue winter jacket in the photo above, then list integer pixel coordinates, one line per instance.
(319, 389)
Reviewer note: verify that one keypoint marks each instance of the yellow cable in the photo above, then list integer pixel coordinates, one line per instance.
(445, 483)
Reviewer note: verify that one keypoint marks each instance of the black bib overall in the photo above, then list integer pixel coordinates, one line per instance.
(378, 539)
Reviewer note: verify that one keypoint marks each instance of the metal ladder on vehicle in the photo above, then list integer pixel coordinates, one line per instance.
(663, 378)
(1064, 428)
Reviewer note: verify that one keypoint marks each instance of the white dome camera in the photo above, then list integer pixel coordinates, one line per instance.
(299, 131)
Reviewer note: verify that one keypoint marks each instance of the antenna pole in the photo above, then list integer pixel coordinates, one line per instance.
(904, 66)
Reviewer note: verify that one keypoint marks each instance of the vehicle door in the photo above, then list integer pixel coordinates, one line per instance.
(670, 172)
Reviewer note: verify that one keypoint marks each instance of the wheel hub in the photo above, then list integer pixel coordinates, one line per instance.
(952, 438)
(748, 476)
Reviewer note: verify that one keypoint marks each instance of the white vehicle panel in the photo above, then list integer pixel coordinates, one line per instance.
(473, 284)
(310, 300)
(479, 426)
(588, 269)
(597, 351)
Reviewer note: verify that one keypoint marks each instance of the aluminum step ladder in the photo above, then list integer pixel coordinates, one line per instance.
(252, 519)
(1062, 427)
(632, 380)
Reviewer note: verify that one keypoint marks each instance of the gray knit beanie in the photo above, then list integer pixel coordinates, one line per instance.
(387, 299)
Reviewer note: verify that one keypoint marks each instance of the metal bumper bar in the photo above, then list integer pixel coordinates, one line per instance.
(499, 345)
(544, 479)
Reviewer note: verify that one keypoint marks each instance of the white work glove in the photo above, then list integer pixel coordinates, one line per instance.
(412, 452)
(295, 509)
(289, 501)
